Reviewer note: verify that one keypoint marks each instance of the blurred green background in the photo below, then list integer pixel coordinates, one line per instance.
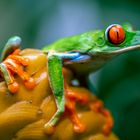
(42, 22)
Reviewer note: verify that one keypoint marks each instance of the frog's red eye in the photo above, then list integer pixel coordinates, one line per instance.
(115, 34)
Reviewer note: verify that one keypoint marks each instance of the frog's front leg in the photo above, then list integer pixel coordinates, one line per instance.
(13, 64)
(57, 85)
(74, 95)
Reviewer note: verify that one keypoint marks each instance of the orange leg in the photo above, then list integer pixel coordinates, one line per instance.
(14, 64)
(98, 107)
(74, 95)
(13, 86)
(79, 127)
(20, 60)
(77, 95)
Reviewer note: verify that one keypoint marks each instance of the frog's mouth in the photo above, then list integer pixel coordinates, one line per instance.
(102, 55)
(108, 53)
(121, 50)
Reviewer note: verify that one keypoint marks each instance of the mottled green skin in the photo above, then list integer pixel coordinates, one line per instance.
(92, 42)
(81, 43)
(96, 46)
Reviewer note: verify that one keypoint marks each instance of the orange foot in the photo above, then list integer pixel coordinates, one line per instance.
(79, 127)
(98, 107)
(14, 64)
(72, 97)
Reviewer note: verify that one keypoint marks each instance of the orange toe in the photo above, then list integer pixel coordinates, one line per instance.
(49, 130)
(80, 128)
(14, 87)
(30, 84)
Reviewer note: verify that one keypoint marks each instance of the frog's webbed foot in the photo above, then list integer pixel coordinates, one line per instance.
(98, 106)
(14, 64)
(79, 127)
(72, 97)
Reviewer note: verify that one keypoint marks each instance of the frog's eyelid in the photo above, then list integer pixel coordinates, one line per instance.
(118, 31)
(107, 30)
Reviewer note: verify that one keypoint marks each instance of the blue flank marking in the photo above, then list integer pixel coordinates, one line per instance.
(70, 56)
(74, 56)
(80, 58)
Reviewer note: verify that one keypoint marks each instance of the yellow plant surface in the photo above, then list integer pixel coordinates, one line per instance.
(23, 115)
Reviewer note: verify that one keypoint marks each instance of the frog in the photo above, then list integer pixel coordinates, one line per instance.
(82, 54)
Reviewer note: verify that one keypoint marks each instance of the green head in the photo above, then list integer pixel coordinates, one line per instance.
(100, 46)
(114, 40)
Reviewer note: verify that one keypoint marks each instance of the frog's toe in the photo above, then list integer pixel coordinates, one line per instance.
(13, 87)
(49, 129)
(80, 128)
(30, 83)
(14, 64)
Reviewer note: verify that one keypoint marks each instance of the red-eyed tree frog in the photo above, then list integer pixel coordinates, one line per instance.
(82, 54)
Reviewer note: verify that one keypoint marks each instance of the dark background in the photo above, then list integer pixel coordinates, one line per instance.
(42, 22)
